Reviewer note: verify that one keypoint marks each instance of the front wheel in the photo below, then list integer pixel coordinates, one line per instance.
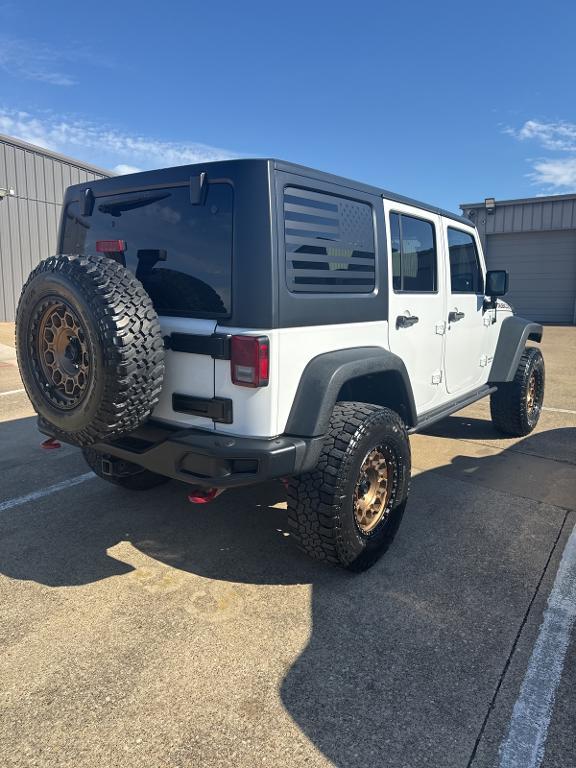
(348, 509)
(516, 406)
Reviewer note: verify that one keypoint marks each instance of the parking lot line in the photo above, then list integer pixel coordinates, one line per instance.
(557, 410)
(12, 392)
(524, 745)
(16, 502)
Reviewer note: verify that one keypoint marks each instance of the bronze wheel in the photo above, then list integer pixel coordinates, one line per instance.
(516, 406)
(531, 393)
(90, 348)
(348, 508)
(62, 354)
(372, 492)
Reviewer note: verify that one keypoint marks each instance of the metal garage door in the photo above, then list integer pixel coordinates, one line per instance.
(542, 267)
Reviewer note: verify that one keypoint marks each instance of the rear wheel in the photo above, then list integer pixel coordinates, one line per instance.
(126, 474)
(516, 405)
(348, 509)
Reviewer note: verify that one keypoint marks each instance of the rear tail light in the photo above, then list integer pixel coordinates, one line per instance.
(250, 361)
(110, 246)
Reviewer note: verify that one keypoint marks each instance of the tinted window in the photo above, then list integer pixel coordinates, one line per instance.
(465, 272)
(181, 252)
(329, 243)
(413, 254)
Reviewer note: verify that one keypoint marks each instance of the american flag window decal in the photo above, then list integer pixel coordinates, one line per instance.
(329, 243)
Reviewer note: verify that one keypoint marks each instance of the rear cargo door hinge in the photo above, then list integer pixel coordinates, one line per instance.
(441, 328)
(198, 186)
(436, 377)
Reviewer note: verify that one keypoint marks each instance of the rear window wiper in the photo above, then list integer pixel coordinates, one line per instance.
(121, 206)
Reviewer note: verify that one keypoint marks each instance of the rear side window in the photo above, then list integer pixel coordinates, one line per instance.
(465, 273)
(329, 243)
(182, 253)
(413, 254)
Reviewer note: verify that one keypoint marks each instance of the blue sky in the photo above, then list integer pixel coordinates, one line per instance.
(448, 102)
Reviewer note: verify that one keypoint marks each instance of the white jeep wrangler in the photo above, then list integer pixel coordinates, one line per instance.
(232, 322)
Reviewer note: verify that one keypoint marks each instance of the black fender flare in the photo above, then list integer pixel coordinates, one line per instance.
(324, 377)
(514, 333)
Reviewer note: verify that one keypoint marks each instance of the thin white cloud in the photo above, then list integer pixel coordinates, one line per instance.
(32, 60)
(556, 174)
(553, 174)
(122, 168)
(559, 136)
(104, 145)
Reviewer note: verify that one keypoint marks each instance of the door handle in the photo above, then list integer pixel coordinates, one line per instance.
(453, 317)
(405, 321)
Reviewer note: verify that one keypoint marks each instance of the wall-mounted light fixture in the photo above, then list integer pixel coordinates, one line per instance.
(6, 192)
(490, 204)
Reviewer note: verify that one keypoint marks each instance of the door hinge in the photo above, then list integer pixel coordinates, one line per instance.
(441, 328)
(436, 377)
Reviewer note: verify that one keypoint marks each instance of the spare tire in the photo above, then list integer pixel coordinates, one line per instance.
(89, 347)
(169, 289)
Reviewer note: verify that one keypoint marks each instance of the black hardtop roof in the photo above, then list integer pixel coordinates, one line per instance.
(342, 181)
(132, 181)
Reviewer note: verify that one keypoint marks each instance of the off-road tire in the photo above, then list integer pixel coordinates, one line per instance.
(120, 341)
(135, 479)
(509, 405)
(321, 509)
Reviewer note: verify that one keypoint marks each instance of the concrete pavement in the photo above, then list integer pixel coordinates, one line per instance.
(136, 629)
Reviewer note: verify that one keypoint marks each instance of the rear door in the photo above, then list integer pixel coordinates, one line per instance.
(182, 254)
(467, 328)
(416, 300)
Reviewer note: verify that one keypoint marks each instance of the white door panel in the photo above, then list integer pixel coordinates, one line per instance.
(466, 338)
(419, 338)
(467, 331)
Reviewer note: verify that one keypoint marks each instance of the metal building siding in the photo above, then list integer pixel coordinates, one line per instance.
(542, 267)
(535, 239)
(533, 215)
(29, 220)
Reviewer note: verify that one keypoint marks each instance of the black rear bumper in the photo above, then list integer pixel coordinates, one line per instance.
(214, 460)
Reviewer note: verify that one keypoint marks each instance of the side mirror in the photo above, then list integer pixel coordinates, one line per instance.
(496, 283)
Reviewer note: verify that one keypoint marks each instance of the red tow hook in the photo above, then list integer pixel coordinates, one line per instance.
(204, 495)
(50, 444)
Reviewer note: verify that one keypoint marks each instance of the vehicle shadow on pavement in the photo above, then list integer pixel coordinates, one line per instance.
(462, 427)
(402, 661)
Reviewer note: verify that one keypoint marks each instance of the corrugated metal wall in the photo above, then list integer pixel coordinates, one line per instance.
(29, 220)
(530, 216)
(535, 239)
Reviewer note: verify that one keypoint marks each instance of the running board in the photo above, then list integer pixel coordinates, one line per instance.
(431, 417)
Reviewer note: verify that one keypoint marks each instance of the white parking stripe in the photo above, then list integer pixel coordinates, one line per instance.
(524, 745)
(19, 500)
(557, 410)
(12, 392)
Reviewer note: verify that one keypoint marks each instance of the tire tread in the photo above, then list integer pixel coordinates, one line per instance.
(131, 340)
(313, 498)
